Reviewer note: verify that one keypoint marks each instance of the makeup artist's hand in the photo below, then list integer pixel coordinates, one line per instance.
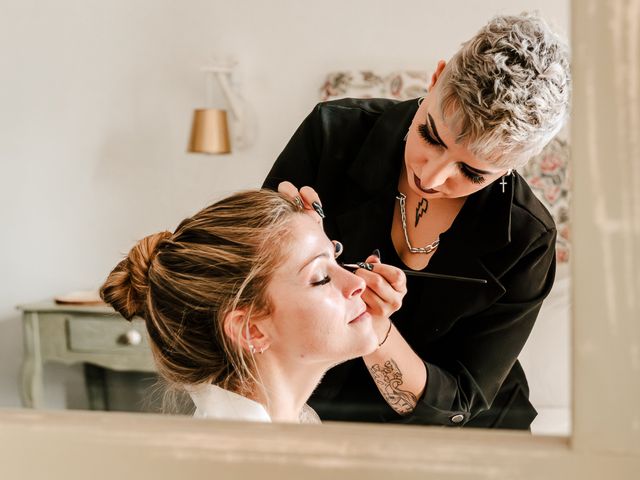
(307, 195)
(386, 287)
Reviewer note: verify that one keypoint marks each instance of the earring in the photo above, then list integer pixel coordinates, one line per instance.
(252, 349)
(504, 182)
(338, 248)
(262, 350)
(420, 100)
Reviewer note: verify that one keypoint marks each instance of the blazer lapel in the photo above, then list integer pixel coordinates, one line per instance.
(377, 166)
(374, 173)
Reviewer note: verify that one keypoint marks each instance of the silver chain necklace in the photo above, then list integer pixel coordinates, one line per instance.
(403, 215)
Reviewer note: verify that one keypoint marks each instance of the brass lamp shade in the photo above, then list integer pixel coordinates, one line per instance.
(209, 132)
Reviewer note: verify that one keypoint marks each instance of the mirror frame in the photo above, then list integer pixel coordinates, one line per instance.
(606, 343)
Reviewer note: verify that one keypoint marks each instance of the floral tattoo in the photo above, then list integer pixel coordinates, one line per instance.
(388, 378)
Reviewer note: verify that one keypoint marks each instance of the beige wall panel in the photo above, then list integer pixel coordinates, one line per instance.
(606, 159)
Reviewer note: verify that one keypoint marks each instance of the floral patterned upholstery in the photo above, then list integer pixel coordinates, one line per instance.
(367, 84)
(546, 173)
(548, 176)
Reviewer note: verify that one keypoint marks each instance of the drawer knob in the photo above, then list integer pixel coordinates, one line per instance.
(132, 337)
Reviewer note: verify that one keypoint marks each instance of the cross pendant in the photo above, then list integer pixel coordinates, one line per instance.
(503, 183)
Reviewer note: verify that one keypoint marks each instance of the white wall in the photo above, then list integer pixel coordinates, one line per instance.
(95, 106)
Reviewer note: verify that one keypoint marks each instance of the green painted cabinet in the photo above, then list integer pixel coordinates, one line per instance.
(95, 336)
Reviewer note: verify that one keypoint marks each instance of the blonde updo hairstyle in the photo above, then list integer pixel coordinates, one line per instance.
(183, 284)
(507, 90)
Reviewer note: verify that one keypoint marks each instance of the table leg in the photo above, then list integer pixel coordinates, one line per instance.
(95, 381)
(32, 387)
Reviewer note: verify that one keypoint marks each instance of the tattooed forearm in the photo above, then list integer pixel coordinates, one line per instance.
(388, 378)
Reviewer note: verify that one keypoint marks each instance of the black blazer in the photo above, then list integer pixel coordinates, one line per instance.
(469, 335)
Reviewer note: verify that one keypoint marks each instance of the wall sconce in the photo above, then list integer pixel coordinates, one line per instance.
(210, 126)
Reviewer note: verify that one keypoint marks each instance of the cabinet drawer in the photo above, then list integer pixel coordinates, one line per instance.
(90, 334)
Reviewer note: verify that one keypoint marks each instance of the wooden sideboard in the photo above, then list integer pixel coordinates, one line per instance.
(95, 336)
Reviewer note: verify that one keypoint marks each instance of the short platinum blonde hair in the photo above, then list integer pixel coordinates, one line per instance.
(507, 89)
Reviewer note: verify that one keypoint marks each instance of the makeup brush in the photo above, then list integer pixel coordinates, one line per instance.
(412, 273)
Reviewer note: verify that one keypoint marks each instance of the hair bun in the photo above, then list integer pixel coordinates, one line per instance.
(127, 285)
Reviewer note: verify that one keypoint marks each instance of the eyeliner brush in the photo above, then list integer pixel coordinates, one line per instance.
(413, 273)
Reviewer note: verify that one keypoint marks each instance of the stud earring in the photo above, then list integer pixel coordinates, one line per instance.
(252, 349)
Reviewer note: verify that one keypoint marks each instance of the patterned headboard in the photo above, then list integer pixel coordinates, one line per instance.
(547, 173)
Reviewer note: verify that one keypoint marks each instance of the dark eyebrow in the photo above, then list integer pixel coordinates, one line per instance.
(435, 130)
(306, 264)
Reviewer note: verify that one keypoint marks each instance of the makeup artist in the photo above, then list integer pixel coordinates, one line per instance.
(430, 185)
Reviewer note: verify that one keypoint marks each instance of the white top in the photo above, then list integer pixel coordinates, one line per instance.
(212, 401)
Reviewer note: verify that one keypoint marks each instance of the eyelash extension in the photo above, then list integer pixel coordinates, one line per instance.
(426, 135)
(324, 281)
(474, 178)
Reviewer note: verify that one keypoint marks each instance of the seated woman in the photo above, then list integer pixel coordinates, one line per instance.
(246, 307)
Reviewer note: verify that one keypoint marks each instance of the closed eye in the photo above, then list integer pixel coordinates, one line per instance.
(470, 175)
(423, 130)
(324, 281)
